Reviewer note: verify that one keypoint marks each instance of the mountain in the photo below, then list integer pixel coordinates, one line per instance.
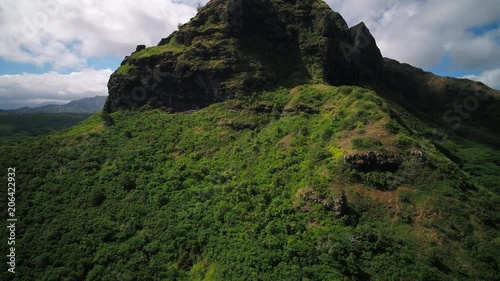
(264, 140)
(85, 105)
(235, 48)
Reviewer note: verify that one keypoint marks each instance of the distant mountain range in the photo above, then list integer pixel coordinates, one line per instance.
(85, 105)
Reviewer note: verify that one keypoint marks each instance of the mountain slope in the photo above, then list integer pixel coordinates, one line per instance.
(15, 127)
(264, 140)
(280, 185)
(467, 107)
(234, 48)
(85, 105)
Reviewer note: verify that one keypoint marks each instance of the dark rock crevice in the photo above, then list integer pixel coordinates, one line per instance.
(374, 161)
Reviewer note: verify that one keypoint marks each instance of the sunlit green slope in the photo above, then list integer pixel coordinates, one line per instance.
(310, 183)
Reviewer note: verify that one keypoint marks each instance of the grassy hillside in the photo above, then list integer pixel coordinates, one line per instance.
(18, 127)
(271, 187)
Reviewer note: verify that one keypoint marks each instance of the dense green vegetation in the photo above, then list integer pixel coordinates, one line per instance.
(17, 127)
(243, 190)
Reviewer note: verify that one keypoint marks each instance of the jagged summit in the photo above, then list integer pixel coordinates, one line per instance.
(237, 47)
(234, 48)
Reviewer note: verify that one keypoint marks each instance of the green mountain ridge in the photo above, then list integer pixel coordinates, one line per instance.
(17, 127)
(258, 189)
(234, 48)
(85, 105)
(218, 157)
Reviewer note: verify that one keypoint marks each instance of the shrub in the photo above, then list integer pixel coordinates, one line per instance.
(366, 143)
(127, 182)
(393, 127)
(376, 179)
(199, 7)
(404, 141)
(327, 134)
(107, 119)
(97, 197)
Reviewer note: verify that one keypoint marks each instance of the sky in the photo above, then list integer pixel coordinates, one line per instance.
(55, 51)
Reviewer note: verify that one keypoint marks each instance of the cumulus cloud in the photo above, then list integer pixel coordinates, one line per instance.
(63, 33)
(31, 89)
(490, 78)
(423, 32)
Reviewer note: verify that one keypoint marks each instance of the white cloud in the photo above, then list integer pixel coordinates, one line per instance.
(490, 78)
(423, 32)
(32, 89)
(65, 33)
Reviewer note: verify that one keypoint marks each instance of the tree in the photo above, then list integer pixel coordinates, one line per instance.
(107, 119)
(127, 182)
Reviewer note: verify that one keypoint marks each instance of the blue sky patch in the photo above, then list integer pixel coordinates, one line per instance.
(481, 30)
(104, 63)
(7, 67)
(444, 69)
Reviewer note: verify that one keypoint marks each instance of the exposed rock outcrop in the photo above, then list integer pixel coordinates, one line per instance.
(337, 205)
(374, 161)
(418, 154)
(235, 47)
(366, 56)
(140, 48)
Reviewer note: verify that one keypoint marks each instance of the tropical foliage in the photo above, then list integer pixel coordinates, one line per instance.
(243, 190)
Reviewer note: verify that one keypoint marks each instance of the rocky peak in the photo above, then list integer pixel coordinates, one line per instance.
(366, 56)
(237, 47)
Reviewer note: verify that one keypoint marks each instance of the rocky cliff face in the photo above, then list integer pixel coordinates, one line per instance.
(237, 47)
(234, 48)
(366, 56)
